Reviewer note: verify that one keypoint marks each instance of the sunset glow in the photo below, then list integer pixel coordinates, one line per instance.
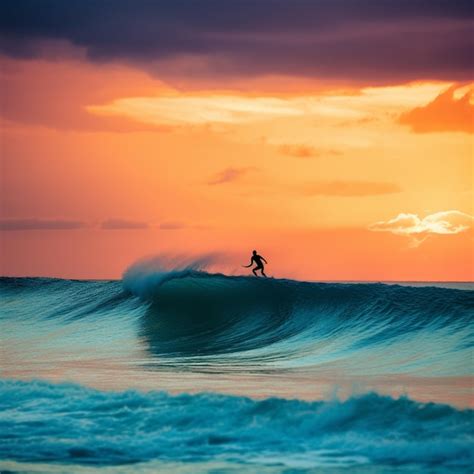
(341, 172)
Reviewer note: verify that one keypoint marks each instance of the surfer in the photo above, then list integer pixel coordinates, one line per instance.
(257, 259)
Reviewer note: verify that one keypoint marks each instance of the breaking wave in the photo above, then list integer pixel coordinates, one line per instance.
(42, 422)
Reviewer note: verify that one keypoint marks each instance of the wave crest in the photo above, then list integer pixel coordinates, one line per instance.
(145, 276)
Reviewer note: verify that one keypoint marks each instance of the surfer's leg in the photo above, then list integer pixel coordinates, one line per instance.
(254, 270)
(263, 273)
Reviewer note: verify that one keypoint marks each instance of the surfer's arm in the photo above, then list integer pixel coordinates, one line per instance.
(264, 260)
(250, 264)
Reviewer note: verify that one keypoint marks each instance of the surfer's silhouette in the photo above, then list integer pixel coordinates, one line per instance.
(257, 259)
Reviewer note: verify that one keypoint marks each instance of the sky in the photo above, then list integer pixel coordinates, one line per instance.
(335, 137)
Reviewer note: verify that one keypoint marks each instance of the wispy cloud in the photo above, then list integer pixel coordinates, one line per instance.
(41, 224)
(446, 113)
(443, 222)
(306, 151)
(229, 175)
(349, 188)
(122, 224)
(172, 225)
(178, 109)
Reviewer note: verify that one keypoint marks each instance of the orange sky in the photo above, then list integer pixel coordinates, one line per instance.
(103, 163)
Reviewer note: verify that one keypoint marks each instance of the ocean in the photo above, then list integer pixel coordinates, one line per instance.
(191, 372)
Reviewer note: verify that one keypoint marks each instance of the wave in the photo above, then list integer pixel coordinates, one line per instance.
(245, 321)
(43, 422)
(198, 313)
(187, 330)
(188, 313)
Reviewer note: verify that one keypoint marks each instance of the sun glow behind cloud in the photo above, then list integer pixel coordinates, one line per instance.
(199, 109)
(411, 225)
(444, 222)
(230, 108)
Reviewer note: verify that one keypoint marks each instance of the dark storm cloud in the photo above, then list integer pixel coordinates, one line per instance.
(358, 39)
(40, 224)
